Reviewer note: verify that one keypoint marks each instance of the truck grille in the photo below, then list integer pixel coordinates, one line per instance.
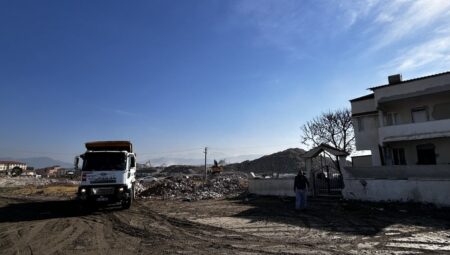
(104, 180)
(103, 191)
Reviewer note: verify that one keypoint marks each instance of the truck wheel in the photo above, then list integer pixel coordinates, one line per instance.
(127, 203)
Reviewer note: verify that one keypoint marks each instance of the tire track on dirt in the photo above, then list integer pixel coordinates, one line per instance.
(102, 244)
(66, 238)
(245, 242)
(184, 235)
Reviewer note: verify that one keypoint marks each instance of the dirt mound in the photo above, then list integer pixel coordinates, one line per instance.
(193, 188)
(287, 161)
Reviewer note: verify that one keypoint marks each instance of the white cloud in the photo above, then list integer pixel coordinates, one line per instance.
(433, 54)
(403, 19)
(418, 31)
(384, 18)
(290, 24)
(442, 30)
(355, 10)
(422, 28)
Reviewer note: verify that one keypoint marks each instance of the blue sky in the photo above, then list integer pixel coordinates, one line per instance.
(240, 77)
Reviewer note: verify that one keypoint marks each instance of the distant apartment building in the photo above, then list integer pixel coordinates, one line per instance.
(53, 171)
(405, 122)
(6, 166)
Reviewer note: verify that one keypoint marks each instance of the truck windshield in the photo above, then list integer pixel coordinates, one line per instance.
(104, 161)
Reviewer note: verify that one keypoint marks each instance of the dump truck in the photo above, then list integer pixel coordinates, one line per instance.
(107, 173)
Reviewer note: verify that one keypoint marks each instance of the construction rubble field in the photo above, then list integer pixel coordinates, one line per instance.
(192, 187)
(183, 215)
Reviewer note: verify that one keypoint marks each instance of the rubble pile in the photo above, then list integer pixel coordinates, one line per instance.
(192, 188)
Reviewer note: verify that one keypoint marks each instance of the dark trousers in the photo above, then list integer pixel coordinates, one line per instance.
(300, 199)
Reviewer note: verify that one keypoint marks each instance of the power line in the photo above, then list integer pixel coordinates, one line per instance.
(206, 173)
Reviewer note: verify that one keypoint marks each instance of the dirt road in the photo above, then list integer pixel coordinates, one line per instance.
(258, 226)
(60, 227)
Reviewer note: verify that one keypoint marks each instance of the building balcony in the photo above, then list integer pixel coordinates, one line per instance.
(409, 172)
(414, 131)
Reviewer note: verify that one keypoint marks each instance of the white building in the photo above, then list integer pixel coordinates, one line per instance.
(405, 122)
(6, 166)
(405, 125)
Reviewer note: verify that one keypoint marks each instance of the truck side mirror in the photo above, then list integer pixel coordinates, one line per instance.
(75, 162)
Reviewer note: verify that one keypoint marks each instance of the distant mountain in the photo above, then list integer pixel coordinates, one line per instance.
(287, 161)
(199, 161)
(241, 158)
(40, 162)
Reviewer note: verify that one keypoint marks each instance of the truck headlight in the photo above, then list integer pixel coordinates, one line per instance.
(121, 189)
(83, 190)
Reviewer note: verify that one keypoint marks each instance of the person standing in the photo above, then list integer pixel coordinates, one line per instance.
(301, 185)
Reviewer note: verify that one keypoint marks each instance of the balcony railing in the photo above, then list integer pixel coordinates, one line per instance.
(414, 131)
(436, 172)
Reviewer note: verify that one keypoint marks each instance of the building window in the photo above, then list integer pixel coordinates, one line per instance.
(394, 156)
(387, 155)
(360, 124)
(391, 118)
(419, 114)
(426, 154)
(441, 111)
(399, 156)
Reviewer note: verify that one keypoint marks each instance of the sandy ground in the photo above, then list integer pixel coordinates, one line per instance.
(41, 225)
(7, 181)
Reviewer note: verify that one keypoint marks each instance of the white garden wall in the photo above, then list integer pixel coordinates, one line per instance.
(423, 184)
(272, 187)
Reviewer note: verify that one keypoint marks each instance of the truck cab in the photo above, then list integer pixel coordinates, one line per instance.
(107, 173)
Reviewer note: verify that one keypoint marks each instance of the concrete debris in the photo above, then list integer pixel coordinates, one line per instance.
(191, 188)
(139, 187)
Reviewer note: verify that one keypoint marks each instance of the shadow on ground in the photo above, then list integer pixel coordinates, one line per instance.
(41, 210)
(347, 217)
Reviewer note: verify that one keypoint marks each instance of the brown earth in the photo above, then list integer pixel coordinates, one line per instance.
(242, 226)
(52, 190)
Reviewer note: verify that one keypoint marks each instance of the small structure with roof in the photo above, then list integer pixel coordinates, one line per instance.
(312, 172)
(285, 186)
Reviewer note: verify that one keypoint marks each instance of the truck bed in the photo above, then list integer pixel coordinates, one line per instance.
(110, 146)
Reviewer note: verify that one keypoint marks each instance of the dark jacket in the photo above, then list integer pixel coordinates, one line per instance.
(300, 182)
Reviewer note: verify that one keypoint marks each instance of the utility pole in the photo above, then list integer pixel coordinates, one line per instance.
(206, 152)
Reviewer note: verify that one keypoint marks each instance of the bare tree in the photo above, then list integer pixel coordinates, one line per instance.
(333, 128)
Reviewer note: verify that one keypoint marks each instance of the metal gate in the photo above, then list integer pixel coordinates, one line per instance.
(327, 181)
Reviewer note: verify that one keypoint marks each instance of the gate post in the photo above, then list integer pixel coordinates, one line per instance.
(342, 162)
